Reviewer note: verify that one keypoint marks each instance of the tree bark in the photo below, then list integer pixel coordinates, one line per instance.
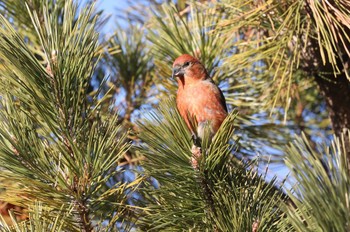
(336, 91)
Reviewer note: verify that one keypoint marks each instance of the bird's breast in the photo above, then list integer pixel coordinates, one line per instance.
(203, 102)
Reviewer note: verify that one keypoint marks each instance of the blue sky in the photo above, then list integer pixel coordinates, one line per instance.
(110, 7)
(110, 4)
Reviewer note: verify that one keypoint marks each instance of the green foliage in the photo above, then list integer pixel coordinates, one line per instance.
(174, 33)
(321, 194)
(332, 22)
(283, 38)
(55, 143)
(18, 10)
(129, 60)
(223, 194)
(61, 140)
(41, 219)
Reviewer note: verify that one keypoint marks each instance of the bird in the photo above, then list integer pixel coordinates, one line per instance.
(198, 98)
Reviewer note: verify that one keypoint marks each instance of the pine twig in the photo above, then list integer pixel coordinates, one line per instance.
(203, 180)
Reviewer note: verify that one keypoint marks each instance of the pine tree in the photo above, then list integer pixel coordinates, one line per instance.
(87, 150)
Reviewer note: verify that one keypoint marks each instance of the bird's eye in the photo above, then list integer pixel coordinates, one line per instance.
(186, 64)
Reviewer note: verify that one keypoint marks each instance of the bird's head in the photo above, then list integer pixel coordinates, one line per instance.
(187, 67)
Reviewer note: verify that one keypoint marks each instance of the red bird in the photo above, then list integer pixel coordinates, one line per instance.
(198, 96)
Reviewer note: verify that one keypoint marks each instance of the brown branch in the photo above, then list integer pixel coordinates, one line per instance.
(203, 181)
(84, 216)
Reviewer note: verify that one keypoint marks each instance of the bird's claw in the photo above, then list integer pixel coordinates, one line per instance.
(195, 139)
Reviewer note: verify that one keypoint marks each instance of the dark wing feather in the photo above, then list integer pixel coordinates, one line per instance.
(222, 100)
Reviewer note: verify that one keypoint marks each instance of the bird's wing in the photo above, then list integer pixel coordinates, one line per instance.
(222, 97)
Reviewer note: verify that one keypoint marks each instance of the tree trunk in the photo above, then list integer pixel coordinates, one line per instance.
(336, 91)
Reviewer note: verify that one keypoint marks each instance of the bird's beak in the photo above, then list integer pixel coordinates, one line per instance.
(177, 71)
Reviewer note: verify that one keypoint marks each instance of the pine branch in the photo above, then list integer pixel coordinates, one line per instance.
(321, 193)
(41, 218)
(224, 194)
(56, 143)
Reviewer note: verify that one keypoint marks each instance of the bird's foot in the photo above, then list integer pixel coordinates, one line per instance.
(196, 140)
(196, 155)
